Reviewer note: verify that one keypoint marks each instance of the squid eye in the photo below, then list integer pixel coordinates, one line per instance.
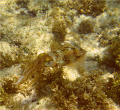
(49, 63)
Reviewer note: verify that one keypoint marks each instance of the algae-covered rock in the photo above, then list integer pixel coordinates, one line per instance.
(107, 36)
(114, 50)
(113, 88)
(88, 7)
(59, 31)
(8, 55)
(7, 89)
(109, 19)
(82, 93)
(86, 26)
(112, 54)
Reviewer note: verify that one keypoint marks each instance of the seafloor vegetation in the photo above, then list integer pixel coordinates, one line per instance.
(31, 27)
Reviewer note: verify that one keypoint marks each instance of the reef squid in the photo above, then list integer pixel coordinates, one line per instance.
(68, 55)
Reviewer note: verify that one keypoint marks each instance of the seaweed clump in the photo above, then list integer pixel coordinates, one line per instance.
(85, 93)
(7, 89)
(85, 27)
(113, 89)
(22, 3)
(59, 31)
(88, 7)
(112, 54)
(8, 55)
(11, 54)
(104, 39)
(107, 37)
(60, 21)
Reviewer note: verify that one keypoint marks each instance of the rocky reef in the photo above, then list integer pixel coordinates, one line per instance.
(61, 30)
